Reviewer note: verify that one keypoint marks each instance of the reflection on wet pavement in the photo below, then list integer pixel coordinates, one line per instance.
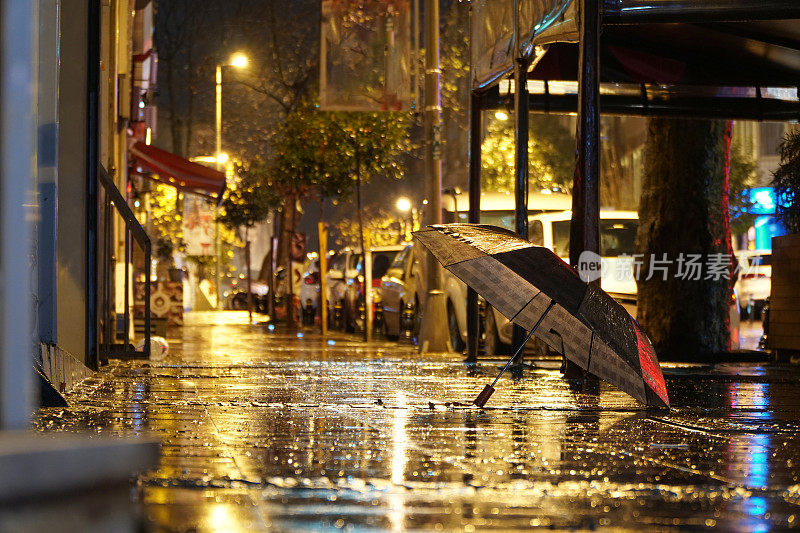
(265, 430)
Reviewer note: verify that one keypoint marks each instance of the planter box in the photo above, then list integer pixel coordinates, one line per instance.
(784, 298)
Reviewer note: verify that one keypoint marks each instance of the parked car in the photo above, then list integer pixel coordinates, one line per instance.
(342, 267)
(382, 258)
(754, 281)
(399, 288)
(236, 298)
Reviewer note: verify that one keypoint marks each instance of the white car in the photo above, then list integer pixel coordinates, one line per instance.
(344, 281)
(497, 209)
(754, 281)
(551, 230)
(617, 239)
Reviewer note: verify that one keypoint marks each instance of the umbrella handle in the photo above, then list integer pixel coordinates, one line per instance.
(522, 345)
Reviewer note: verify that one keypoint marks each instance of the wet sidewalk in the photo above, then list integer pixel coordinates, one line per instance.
(274, 430)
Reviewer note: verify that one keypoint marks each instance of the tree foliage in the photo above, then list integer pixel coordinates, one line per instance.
(248, 199)
(743, 176)
(327, 151)
(786, 181)
(383, 225)
(551, 154)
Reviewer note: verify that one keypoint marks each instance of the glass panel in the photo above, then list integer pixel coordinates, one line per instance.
(617, 237)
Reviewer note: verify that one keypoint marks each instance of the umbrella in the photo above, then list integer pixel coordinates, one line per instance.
(537, 290)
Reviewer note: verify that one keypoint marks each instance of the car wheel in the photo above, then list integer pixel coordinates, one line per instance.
(386, 333)
(239, 302)
(347, 318)
(456, 342)
(417, 321)
(743, 313)
(492, 342)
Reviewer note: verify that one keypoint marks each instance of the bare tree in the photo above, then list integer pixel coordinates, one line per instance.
(181, 42)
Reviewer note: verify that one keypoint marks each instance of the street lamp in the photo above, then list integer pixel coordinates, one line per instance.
(237, 60)
(404, 206)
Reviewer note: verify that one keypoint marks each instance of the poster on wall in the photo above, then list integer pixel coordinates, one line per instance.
(198, 225)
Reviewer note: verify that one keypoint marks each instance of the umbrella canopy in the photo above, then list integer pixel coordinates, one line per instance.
(521, 280)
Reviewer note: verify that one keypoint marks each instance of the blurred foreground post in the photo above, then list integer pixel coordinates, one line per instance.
(16, 167)
(433, 331)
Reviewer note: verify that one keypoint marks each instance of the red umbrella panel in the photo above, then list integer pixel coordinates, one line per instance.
(521, 280)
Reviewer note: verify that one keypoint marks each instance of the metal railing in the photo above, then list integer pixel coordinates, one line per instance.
(107, 312)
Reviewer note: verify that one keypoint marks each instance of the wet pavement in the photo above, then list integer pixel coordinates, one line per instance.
(270, 430)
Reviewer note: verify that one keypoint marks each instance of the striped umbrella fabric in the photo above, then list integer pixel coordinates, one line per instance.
(585, 324)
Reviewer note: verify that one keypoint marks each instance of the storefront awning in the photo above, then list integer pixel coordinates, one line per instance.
(178, 172)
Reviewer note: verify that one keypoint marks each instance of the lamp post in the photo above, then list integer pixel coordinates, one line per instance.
(237, 60)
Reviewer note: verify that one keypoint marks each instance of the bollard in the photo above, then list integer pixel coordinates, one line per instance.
(407, 324)
(337, 315)
(308, 313)
(362, 318)
(378, 320)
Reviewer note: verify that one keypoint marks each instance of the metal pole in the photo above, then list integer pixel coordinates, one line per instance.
(368, 318)
(249, 275)
(217, 152)
(148, 260)
(474, 185)
(126, 324)
(323, 282)
(433, 333)
(521, 171)
(92, 154)
(584, 230)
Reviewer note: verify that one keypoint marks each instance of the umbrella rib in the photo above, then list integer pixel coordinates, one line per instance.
(524, 306)
(591, 345)
(522, 345)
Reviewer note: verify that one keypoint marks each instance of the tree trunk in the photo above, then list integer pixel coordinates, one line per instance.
(289, 238)
(683, 210)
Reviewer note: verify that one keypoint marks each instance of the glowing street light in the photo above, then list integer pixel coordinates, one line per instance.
(501, 115)
(238, 60)
(403, 204)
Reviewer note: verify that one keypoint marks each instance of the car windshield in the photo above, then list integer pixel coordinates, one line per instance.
(617, 237)
(401, 257)
(504, 219)
(381, 261)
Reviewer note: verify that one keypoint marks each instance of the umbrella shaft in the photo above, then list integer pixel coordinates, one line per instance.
(522, 345)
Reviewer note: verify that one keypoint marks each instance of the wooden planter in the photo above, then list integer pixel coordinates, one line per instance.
(784, 298)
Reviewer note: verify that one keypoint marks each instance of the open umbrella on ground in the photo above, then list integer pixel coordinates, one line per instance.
(535, 289)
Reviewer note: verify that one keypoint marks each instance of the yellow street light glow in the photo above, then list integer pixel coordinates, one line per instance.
(222, 158)
(501, 115)
(239, 60)
(403, 204)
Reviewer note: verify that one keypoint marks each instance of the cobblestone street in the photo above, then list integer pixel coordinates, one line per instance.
(277, 430)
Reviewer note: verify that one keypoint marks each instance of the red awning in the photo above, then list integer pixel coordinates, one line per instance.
(178, 172)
